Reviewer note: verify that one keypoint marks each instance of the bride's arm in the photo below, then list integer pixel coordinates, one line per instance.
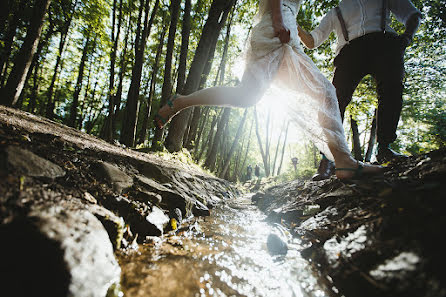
(279, 27)
(306, 37)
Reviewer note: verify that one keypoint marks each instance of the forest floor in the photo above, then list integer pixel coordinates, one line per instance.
(69, 201)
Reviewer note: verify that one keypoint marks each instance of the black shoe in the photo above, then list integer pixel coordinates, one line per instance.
(385, 154)
(325, 170)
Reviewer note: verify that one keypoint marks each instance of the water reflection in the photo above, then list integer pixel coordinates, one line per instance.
(221, 255)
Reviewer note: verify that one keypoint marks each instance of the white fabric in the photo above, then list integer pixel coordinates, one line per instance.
(309, 96)
(361, 17)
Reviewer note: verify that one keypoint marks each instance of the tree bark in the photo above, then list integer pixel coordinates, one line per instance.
(277, 150)
(107, 130)
(212, 154)
(234, 144)
(167, 84)
(356, 142)
(209, 137)
(8, 38)
(263, 152)
(50, 104)
(145, 124)
(128, 132)
(78, 86)
(11, 91)
(217, 16)
(283, 148)
(185, 33)
(247, 148)
(372, 140)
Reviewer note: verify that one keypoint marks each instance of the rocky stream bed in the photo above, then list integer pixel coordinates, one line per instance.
(82, 217)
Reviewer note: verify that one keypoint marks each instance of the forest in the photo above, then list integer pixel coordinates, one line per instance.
(106, 66)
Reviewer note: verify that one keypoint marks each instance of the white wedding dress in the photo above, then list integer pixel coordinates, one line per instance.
(310, 98)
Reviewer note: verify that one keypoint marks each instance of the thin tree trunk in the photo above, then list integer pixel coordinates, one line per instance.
(283, 148)
(356, 142)
(234, 144)
(217, 16)
(11, 91)
(209, 137)
(145, 124)
(247, 147)
(184, 46)
(200, 128)
(372, 140)
(277, 150)
(167, 84)
(259, 139)
(8, 37)
(212, 154)
(128, 132)
(78, 86)
(107, 130)
(50, 104)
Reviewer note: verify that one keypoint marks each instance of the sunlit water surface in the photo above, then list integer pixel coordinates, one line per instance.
(221, 255)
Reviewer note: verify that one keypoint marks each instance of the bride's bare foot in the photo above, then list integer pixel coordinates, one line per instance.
(352, 169)
(166, 112)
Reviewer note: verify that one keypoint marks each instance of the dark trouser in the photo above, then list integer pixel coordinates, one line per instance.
(382, 56)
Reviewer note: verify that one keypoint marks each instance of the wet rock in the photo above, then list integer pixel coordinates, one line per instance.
(112, 174)
(158, 219)
(199, 209)
(275, 245)
(56, 251)
(23, 162)
(113, 224)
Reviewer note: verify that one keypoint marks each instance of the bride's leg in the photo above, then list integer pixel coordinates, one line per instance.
(246, 94)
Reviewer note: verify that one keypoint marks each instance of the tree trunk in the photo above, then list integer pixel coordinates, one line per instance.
(11, 91)
(234, 144)
(277, 150)
(50, 104)
(8, 37)
(185, 33)
(247, 148)
(283, 148)
(201, 127)
(212, 154)
(204, 144)
(128, 132)
(107, 130)
(264, 153)
(372, 140)
(78, 87)
(167, 84)
(145, 124)
(217, 16)
(356, 142)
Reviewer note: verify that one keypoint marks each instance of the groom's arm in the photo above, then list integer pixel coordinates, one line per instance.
(306, 37)
(320, 33)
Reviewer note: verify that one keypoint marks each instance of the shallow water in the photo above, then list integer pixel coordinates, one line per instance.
(221, 255)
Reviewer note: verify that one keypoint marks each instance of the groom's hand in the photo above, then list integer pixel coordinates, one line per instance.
(281, 31)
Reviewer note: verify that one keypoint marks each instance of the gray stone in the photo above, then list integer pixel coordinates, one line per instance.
(23, 162)
(112, 174)
(158, 218)
(57, 251)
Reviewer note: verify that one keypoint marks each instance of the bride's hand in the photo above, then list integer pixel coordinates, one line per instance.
(281, 31)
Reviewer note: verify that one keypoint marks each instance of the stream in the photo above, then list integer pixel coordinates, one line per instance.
(225, 254)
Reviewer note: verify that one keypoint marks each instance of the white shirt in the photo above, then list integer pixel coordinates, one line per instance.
(361, 17)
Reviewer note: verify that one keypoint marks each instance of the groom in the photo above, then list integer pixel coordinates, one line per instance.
(366, 44)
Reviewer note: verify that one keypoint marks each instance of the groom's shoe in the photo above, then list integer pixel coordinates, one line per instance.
(385, 154)
(325, 170)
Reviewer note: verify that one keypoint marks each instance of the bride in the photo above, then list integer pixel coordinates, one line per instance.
(275, 58)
